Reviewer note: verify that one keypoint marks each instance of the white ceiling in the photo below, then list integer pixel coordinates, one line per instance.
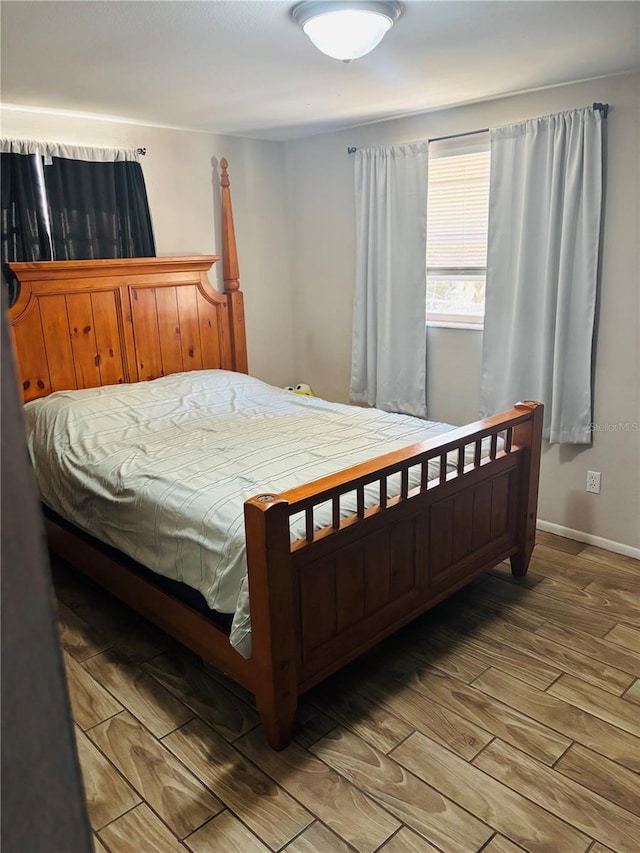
(245, 68)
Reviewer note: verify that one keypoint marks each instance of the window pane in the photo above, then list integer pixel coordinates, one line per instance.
(455, 296)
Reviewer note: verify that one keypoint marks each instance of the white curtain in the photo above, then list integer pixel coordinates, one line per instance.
(544, 234)
(388, 367)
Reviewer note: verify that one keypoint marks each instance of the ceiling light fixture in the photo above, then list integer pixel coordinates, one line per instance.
(344, 29)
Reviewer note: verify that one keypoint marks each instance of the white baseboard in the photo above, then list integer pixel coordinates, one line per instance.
(589, 539)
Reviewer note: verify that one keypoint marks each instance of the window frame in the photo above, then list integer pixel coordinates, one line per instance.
(471, 143)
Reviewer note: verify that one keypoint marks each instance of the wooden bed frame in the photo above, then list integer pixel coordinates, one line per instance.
(321, 601)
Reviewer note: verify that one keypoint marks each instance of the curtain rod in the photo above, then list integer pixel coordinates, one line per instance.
(601, 108)
(142, 151)
(458, 135)
(352, 149)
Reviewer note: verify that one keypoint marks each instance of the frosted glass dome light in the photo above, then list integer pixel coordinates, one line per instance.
(345, 30)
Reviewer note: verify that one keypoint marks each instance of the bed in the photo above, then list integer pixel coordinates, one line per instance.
(332, 565)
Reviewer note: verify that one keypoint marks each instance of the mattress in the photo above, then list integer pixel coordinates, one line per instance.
(160, 470)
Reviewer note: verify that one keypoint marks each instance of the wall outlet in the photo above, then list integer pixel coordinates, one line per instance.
(593, 482)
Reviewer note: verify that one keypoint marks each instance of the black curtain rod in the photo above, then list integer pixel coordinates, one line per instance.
(352, 149)
(458, 135)
(142, 151)
(602, 108)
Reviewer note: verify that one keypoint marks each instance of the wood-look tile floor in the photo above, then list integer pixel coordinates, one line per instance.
(507, 719)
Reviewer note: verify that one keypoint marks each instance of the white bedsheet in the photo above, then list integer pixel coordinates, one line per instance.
(160, 470)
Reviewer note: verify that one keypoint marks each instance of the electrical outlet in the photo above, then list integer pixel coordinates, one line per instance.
(593, 482)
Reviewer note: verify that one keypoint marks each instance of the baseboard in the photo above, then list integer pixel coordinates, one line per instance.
(589, 539)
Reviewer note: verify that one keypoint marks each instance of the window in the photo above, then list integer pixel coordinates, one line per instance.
(457, 224)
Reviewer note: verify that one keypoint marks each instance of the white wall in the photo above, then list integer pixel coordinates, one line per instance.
(180, 170)
(321, 222)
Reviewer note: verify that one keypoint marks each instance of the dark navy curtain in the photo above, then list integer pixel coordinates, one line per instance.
(23, 229)
(98, 209)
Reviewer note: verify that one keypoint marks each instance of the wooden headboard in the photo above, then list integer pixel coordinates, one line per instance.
(79, 324)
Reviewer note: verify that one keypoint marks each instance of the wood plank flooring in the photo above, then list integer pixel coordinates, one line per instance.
(507, 719)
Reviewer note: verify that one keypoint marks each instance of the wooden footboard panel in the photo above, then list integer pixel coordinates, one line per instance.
(401, 563)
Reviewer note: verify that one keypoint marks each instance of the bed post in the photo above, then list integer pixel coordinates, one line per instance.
(231, 275)
(529, 435)
(272, 615)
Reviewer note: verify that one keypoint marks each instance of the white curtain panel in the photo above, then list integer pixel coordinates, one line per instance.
(544, 234)
(388, 368)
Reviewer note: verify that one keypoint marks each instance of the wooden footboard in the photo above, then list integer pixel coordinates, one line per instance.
(322, 600)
